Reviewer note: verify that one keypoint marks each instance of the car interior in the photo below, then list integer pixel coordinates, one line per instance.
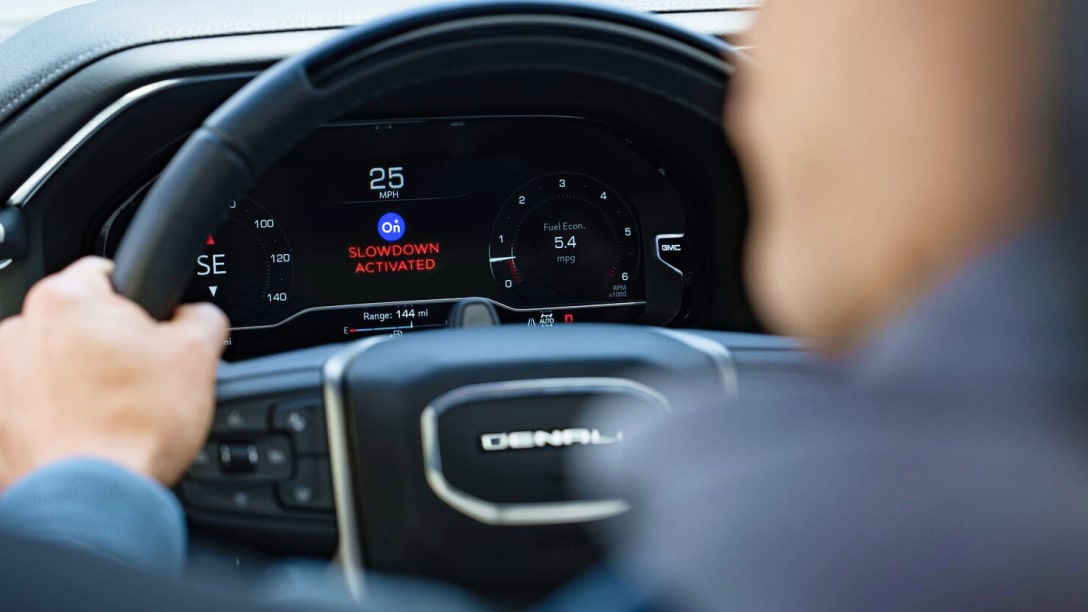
(459, 245)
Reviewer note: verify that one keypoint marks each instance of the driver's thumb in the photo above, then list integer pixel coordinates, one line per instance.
(204, 323)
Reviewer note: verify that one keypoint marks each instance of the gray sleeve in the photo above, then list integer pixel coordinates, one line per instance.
(99, 506)
(901, 502)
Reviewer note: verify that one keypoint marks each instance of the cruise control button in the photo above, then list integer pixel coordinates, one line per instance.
(241, 418)
(311, 489)
(245, 499)
(672, 250)
(304, 420)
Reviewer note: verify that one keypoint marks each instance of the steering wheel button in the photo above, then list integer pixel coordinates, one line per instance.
(296, 422)
(305, 421)
(262, 459)
(311, 489)
(242, 418)
(238, 458)
(275, 458)
(244, 499)
(204, 464)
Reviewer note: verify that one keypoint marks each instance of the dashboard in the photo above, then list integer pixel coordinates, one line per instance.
(380, 227)
(557, 198)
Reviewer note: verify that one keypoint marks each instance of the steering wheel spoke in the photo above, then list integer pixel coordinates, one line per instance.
(264, 474)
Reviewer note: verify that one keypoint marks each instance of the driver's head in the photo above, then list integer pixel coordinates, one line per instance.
(886, 144)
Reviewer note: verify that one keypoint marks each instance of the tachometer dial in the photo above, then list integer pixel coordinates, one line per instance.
(245, 268)
(563, 240)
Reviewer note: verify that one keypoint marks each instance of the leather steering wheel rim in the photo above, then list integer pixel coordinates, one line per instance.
(265, 118)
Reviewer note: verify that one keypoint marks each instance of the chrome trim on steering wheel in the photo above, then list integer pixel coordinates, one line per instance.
(719, 354)
(509, 514)
(349, 553)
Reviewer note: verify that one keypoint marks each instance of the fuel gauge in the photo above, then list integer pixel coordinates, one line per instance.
(396, 320)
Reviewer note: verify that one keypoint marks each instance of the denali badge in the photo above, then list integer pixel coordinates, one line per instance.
(541, 438)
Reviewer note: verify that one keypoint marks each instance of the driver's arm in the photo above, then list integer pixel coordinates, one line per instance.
(101, 408)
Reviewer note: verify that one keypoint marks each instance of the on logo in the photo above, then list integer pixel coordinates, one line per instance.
(391, 227)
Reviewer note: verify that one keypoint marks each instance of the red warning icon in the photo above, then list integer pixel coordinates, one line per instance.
(210, 241)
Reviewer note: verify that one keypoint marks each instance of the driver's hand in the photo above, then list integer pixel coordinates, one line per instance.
(85, 372)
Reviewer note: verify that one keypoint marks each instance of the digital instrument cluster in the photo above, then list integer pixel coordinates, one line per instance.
(380, 228)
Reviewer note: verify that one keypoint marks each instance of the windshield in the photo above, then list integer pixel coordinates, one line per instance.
(14, 14)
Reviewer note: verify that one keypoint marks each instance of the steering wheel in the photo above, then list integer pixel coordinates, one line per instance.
(445, 449)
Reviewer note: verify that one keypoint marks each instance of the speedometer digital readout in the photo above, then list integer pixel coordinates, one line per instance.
(563, 239)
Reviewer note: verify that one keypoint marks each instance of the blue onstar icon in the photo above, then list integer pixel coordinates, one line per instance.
(391, 227)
